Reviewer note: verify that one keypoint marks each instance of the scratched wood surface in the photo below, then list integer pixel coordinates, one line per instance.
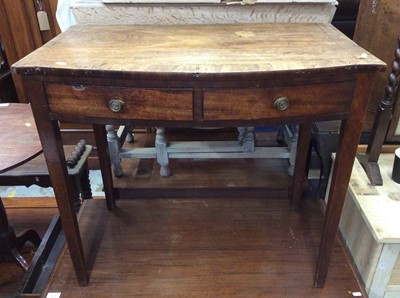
(203, 248)
(199, 49)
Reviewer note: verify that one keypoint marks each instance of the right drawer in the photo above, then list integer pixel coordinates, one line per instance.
(277, 102)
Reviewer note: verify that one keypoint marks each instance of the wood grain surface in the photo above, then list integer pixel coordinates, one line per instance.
(19, 140)
(193, 51)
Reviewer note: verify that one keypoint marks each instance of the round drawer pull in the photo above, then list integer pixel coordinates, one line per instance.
(116, 105)
(281, 103)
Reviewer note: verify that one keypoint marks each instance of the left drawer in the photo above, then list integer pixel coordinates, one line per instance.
(120, 102)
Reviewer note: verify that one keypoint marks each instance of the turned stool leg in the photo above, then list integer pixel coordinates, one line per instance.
(241, 131)
(161, 151)
(293, 150)
(246, 138)
(114, 149)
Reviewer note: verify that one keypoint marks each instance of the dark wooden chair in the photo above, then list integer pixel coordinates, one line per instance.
(369, 160)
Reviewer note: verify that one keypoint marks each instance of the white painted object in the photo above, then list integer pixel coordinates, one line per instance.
(202, 11)
(370, 224)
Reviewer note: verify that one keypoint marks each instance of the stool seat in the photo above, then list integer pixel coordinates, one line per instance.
(35, 172)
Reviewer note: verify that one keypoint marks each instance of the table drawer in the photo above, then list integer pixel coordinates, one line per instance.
(120, 102)
(258, 103)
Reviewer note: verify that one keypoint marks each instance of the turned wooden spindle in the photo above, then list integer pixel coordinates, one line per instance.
(76, 155)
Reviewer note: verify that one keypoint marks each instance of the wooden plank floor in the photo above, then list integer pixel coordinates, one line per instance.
(246, 245)
(203, 248)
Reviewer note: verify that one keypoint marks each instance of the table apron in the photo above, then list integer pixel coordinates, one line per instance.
(200, 106)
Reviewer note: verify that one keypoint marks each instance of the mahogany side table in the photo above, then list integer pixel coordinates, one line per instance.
(199, 76)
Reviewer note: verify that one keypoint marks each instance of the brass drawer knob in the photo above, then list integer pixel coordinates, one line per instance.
(116, 105)
(281, 103)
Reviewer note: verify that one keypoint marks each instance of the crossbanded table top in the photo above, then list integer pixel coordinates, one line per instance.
(199, 49)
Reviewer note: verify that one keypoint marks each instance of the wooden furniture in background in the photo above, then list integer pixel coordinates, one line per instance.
(199, 76)
(377, 31)
(35, 172)
(20, 35)
(17, 120)
(21, 163)
(20, 219)
(369, 160)
(20, 32)
(17, 149)
(7, 89)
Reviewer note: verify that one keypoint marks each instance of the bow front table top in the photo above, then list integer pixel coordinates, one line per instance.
(199, 76)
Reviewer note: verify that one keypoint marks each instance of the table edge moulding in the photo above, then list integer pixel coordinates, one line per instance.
(199, 76)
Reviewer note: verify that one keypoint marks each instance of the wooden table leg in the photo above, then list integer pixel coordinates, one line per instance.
(300, 165)
(105, 164)
(50, 138)
(350, 132)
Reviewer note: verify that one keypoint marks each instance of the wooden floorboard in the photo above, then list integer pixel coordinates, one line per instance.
(248, 245)
(203, 248)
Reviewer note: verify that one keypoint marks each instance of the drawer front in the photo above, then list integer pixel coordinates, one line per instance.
(127, 103)
(258, 103)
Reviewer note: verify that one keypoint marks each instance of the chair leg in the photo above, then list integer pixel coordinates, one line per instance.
(85, 189)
